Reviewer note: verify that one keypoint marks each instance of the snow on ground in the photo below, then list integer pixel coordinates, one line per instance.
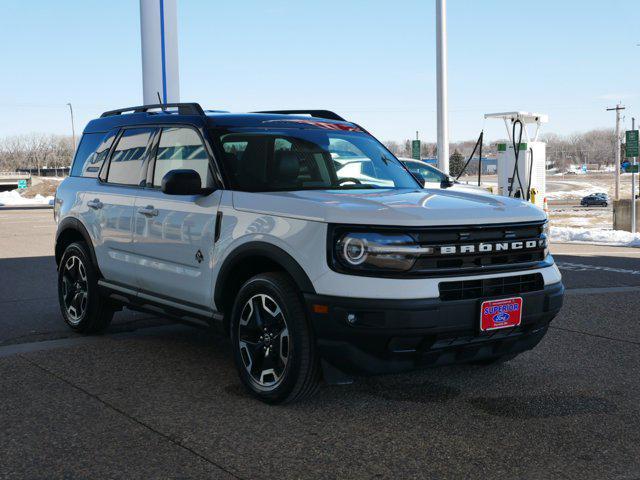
(578, 193)
(596, 217)
(571, 189)
(13, 198)
(595, 235)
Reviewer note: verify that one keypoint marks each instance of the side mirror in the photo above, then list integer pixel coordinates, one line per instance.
(446, 183)
(182, 182)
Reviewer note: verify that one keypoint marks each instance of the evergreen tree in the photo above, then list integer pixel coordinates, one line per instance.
(456, 163)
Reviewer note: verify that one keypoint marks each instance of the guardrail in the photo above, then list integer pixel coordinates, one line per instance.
(15, 174)
(47, 171)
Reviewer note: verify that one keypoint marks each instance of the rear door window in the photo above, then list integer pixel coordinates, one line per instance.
(181, 148)
(127, 161)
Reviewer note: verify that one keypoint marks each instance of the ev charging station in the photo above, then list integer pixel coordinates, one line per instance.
(521, 162)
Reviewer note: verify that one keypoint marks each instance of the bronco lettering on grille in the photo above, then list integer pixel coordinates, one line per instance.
(492, 247)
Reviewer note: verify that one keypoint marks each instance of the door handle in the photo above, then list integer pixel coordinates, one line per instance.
(95, 204)
(148, 211)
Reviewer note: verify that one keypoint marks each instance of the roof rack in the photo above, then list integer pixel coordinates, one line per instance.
(327, 114)
(183, 109)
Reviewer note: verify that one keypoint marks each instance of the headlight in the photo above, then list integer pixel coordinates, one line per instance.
(377, 251)
(545, 237)
(545, 228)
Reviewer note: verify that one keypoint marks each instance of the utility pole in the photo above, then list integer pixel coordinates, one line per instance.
(618, 108)
(73, 127)
(441, 81)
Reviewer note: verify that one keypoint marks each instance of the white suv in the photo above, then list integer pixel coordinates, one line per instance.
(304, 238)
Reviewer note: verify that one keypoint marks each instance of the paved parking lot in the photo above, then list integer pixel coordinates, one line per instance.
(151, 399)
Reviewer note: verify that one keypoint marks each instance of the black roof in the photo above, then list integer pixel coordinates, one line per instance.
(193, 113)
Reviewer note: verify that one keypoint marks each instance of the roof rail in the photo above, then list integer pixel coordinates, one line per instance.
(183, 109)
(327, 114)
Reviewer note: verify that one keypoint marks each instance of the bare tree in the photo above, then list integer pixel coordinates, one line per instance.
(35, 151)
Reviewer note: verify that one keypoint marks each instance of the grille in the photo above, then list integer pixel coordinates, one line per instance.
(457, 237)
(491, 287)
(459, 250)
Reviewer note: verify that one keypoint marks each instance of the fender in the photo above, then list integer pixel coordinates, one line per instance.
(72, 223)
(261, 249)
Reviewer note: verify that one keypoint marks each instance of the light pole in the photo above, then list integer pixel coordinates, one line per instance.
(73, 128)
(441, 87)
(633, 186)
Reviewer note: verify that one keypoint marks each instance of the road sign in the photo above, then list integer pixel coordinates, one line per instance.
(631, 143)
(22, 184)
(415, 149)
(633, 169)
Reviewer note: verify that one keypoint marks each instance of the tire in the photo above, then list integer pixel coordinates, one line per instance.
(605, 205)
(273, 344)
(83, 308)
(496, 360)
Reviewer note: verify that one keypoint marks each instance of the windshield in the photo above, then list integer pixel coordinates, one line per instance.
(306, 159)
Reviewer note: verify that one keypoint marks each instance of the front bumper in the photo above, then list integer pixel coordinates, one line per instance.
(388, 336)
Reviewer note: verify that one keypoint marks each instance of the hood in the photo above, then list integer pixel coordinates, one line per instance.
(426, 207)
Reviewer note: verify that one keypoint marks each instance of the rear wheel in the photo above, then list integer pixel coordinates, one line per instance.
(82, 306)
(274, 346)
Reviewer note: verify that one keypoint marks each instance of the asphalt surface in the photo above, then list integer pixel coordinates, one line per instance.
(151, 399)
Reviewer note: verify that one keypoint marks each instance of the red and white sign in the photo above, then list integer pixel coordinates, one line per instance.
(495, 314)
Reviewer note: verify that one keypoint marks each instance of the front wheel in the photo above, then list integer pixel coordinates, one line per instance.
(83, 308)
(274, 347)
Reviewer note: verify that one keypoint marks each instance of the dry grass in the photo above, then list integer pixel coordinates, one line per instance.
(46, 188)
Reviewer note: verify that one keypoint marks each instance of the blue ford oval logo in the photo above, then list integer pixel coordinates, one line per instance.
(501, 317)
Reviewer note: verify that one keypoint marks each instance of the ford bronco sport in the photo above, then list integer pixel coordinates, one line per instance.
(301, 236)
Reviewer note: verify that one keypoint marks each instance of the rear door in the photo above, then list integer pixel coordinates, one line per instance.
(174, 234)
(113, 204)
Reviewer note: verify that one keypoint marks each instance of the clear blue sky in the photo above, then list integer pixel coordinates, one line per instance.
(372, 61)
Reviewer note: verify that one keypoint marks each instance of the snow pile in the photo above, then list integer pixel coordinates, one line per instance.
(595, 235)
(13, 198)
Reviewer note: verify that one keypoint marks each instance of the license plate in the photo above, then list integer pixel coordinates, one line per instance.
(505, 313)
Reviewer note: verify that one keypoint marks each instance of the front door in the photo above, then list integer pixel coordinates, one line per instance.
(174, 234)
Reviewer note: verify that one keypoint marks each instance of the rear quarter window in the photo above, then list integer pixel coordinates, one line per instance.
(91, 154)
